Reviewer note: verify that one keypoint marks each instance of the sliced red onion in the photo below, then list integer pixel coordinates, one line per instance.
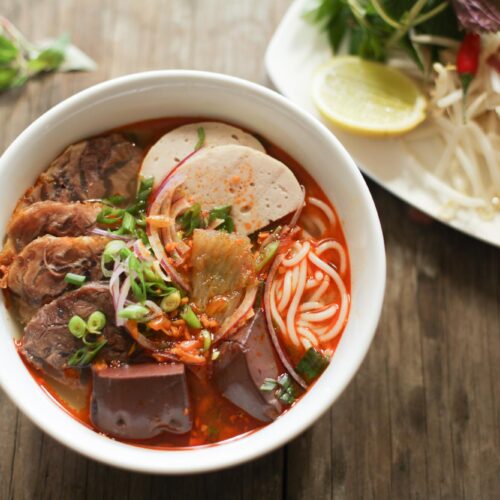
(147, 344)
(120, 301)
(141, 251)
(240, 312)
(160, 254)
(104, 232)
(272, 332)
(154, 308)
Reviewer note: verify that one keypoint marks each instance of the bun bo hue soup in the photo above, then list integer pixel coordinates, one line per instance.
(179, 282)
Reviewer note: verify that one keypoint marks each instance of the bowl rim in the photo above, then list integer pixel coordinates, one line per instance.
(217, 461)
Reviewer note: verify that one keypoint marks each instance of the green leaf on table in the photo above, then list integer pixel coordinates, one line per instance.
(7, 77)
(51, 57)
(8, 51)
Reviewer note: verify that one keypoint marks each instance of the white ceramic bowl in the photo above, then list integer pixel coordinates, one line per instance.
(190, 93)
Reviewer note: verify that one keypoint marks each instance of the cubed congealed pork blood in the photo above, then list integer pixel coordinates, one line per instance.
(245, 361)
(51, 217)
(37, 273)
(92, 169)
(141, 401)
(223, 266)
(48, 344)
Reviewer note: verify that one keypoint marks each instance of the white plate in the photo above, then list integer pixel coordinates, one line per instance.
(294, 53)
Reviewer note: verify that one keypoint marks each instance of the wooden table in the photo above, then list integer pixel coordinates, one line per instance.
(422, 417)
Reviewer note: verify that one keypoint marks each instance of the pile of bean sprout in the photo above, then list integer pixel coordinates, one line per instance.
(466, 173)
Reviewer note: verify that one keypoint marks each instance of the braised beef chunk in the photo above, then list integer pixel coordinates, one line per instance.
(92, 169)
(245, 361)
(48, 344)
(37, 273)
(141, 401)
(51, 217)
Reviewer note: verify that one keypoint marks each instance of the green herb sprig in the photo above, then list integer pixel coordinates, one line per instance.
(374, 28)
(131, 220)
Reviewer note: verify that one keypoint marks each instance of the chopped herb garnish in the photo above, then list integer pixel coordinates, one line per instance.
(201, 138)
(133, 311)
(269, 385)
(191, 219)
(75, 279)
(207, 339)
(223, 213)
(190, 318)
(312, 364)
(131, 220)
(77, 327)
(284, 389)
(85, 355)
(96, 322)
(171, 301)
(266, 255)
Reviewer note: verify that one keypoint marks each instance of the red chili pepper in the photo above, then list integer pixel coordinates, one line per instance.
(468, 60)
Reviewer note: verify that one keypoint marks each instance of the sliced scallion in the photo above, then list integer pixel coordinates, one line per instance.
(190, 318)
(112, 250)
(171, 302)
(77, 326)
(215, 354)
(85, 355)
(207, 339)
(266, 255)
(312, 364)
(201, 138)
(128, 223)
(268, 385)
(133, 311)
(96, 322)
(75, 279)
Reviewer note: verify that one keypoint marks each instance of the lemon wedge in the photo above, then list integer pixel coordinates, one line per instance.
(366, 97)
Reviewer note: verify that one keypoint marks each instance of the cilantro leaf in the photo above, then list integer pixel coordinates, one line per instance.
(223, 213)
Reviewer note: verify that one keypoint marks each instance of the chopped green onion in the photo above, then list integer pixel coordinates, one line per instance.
(171, 302)
(125, 253)
(116, 199)
(287, 397)
(110, 216)
(84, 356)
(266, 255)
(284, 381)
(133, 311)
(96, 322)
(128, 223)
(141, 199)
(268, 385)
(207, 339)
(312, 364)
(201, 138)
(75, 279)
(223, 213)
(77, 327)
(215, 354)
(190, 318)
(112, 249)
(191, 219)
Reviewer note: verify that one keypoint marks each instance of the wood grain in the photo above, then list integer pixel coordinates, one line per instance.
(422, 417)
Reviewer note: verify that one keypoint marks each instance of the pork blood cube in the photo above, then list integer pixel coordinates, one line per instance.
(141, 401)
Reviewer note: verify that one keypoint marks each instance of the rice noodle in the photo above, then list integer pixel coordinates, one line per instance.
(324, 208)
(305, 316)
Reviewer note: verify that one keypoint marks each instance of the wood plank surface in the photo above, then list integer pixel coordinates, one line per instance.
(422, 417)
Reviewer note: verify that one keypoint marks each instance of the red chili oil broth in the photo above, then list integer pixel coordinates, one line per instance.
(215, 419)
